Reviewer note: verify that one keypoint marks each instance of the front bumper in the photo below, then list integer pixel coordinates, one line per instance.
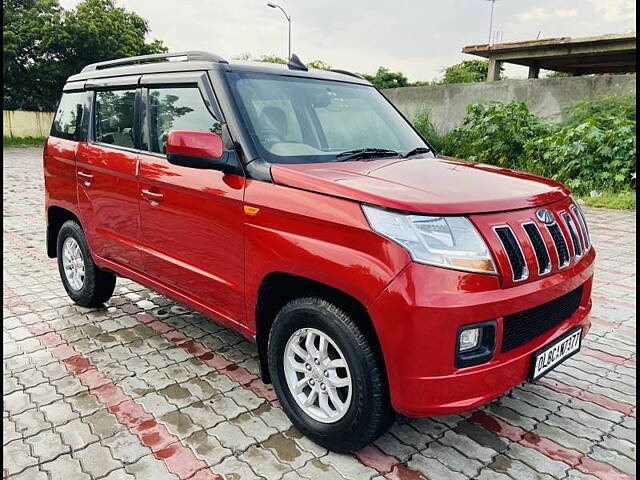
(417, 318)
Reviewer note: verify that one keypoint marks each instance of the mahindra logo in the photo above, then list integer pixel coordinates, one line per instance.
(545, 216)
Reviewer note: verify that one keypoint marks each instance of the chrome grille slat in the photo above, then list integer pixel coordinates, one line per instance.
(513, 249)
(573, 232)
(562, 249)
(539, 247)
(583, 227)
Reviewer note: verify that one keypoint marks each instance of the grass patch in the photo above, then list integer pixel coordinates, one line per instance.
(618, 201)
(23, 141)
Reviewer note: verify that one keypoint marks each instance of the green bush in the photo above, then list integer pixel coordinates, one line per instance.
(494, 133)
(602, 109)
(422, 122)
(593, 155)
(594, 150)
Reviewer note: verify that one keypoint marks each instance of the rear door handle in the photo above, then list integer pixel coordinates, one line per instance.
(87, 178)
(152, 196)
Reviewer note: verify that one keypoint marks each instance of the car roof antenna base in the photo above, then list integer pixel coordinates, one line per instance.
(296, 64)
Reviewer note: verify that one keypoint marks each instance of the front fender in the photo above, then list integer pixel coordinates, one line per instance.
(321, 238)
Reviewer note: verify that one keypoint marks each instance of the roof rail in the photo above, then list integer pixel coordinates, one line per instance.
(346, 72)
(190, 56)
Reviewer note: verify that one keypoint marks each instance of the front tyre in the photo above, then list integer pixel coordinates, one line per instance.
(84, 282)
(328, 377)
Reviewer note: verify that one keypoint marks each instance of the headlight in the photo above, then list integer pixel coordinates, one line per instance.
(451, 242)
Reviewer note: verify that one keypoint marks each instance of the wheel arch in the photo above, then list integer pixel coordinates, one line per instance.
(56, 216)
(278, 288)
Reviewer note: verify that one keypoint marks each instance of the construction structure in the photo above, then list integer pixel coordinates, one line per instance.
(614, 53)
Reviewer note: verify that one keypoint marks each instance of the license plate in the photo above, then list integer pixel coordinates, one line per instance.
(550, 356)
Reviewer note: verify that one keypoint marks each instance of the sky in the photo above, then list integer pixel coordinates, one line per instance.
(416, 37)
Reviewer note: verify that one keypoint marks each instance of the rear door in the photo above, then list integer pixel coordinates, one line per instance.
(69, 127)
(106, 173)
(192, 219)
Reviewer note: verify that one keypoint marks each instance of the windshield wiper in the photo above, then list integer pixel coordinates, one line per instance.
(416, 151)
(365, 153)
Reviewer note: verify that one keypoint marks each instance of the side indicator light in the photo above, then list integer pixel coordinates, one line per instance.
(251, 210)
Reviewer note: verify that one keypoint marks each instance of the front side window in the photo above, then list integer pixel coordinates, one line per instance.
(180, 108)
(71, 117)
(301, 120)
(115, 117)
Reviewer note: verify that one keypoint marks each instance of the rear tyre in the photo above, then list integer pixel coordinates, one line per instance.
(84, 282)
(328, 377)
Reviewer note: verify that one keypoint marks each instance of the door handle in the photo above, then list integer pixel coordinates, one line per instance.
(152, 196)
(87, 178)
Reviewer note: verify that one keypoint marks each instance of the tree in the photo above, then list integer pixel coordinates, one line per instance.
(557, 75)
(319, 65)
(44, 44)
(467, 71)
(271, 59)
(384, 78)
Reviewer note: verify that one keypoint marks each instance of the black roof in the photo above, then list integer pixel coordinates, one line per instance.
(201, 61)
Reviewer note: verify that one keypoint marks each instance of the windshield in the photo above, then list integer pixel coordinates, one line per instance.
(303, 120)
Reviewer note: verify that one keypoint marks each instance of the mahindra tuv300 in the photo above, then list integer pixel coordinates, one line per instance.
(300, 208)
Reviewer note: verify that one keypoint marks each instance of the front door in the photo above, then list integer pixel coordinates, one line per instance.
(192, 219)
(108, 190)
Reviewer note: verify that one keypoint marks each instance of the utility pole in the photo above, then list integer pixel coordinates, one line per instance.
(493, 4)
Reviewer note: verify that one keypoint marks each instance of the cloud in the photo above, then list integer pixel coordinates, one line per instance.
(541, 13)
(615, 10)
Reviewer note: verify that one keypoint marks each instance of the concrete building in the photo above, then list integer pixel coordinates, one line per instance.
(612, 53)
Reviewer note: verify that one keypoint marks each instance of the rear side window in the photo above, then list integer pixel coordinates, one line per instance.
(115, 117)
(177, 109)
(72, 117)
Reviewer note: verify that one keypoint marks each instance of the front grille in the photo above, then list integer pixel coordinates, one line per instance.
(514, 252)
(560, 243)
(522, 327)
(539, 247)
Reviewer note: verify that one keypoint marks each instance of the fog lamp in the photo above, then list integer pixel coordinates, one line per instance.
(469, 339)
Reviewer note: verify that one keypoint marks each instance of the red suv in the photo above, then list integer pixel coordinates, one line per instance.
(300, 208)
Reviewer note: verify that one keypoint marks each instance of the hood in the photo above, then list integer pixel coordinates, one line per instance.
(440, 185)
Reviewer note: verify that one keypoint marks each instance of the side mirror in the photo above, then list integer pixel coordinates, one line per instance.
(196, 150)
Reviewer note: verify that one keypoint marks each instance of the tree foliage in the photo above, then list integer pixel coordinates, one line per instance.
(317, 64)
(385, 78)
(271, 59)
(557, 75)
(43, 44)
(467, 71)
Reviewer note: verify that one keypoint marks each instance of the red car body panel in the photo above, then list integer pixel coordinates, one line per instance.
(60, 174)
(318, 237)
(108, 195)
(433, 304)
(204, 255)
(443, 186)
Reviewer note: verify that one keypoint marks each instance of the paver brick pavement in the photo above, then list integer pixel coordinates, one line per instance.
(145, 388)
